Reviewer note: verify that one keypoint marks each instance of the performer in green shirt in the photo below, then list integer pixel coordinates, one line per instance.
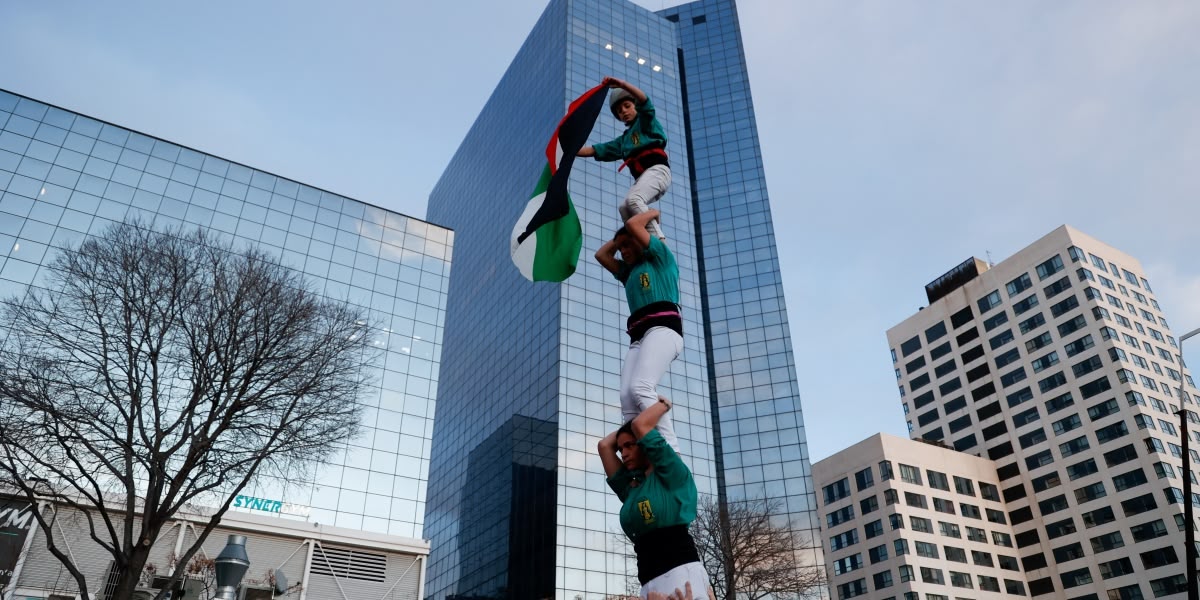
(658, 496)
(650, 275)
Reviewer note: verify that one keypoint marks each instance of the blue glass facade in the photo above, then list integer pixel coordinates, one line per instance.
(519, 353)
(760, 427)
(64, 176)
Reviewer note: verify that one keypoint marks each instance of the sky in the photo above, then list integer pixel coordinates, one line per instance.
(899, 138)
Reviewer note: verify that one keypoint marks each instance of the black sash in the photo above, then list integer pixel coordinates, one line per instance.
(661, 550)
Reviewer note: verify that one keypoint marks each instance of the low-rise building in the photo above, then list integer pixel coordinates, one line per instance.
(910, 519)
(311, 561)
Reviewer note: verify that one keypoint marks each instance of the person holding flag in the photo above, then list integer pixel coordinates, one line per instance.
(642, 146)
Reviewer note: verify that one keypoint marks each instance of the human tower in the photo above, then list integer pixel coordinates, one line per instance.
(641, 458)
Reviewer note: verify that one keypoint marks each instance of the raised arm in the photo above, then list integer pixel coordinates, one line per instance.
(607, 448)
(586, 151)
(638, 95)
(643, 423)
(668, 467)
(636, 226)
(607, 257)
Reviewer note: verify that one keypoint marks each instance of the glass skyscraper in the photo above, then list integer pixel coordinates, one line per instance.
(531, 371)
(64, 176)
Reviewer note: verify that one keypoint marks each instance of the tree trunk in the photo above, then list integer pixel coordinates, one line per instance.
(727, 552)
(127, 580)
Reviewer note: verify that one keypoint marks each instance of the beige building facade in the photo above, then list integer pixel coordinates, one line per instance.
(914, 520)
(1058, 364)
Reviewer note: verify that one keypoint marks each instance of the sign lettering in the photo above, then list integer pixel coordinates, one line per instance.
(270, 505)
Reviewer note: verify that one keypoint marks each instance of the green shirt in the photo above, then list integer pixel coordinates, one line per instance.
(654, 279)
(665, 497)
(645, 132)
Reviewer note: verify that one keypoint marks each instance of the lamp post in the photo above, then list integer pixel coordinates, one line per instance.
(231, 565)
(1188, 511)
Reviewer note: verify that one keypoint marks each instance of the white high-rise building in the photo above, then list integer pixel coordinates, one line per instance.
(1058, 364)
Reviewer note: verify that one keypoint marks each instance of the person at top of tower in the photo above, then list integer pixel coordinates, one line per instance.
(658, 502)
(655, 327)
(642, 146)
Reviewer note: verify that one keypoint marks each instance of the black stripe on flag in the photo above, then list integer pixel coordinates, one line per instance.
(571, 134)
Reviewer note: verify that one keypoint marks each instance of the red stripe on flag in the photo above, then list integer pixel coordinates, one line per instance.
(551, 148)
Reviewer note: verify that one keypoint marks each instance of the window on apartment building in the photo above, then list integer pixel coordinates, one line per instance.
(988, 583)
(915, 500)
(1106, 542)
(1014, 587)
(1068, 553)
(990, 301)
(836, 490)
(1091, 492)
(864, 479)
(1061, 285)
(868, 505)
(976, 534)
(1081, 469)
(1025, 304)
(1053, 265)
(962, 317)
(1019, 285)
(1148, 531)
(920, 524)
(1116, 568)
(910, 474)
(969, 511)
(1098, 517)
(995, 321)
(927, 550)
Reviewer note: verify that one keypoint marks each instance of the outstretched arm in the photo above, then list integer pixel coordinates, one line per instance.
(586, 151)
(648, 419)
(607, 257)
(607, 448)
(636, 226)
(638, 95)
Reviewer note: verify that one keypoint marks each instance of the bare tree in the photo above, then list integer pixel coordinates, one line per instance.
(153, 372)
(750, 554)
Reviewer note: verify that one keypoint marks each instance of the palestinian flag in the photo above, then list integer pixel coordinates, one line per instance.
(547, 237)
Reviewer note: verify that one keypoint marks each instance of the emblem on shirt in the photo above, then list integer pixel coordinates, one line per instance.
(647, 512)
(644, 279)
(636, 139)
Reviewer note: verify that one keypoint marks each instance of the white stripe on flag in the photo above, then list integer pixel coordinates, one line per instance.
(558, 154)
(523, 253)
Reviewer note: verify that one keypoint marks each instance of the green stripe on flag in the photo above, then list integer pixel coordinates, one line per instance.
(558, 245)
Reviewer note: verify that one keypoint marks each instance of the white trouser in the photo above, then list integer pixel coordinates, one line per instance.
(668, 582)
(645, 364)
(646, 190)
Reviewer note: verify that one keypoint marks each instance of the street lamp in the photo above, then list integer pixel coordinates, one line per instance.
(1188, 511)
(231, 565)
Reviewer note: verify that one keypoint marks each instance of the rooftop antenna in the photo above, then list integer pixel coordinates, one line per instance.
(989, 257)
